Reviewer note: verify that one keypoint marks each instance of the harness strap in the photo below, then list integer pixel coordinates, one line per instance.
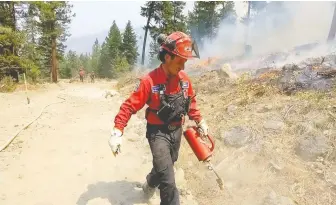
(161, 90)
(155, 111)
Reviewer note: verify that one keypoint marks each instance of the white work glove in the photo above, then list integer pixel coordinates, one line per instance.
(203, 127)
(115, 141)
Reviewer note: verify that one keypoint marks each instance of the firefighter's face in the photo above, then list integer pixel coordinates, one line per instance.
(175, 65)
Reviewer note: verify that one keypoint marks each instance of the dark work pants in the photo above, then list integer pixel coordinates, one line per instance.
(164, 145)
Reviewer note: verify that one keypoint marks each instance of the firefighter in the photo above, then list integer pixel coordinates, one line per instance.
(81, 74)
(92, 76)
(169, 94)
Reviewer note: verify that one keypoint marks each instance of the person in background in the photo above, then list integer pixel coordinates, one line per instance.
(81, 74)
(92, 76)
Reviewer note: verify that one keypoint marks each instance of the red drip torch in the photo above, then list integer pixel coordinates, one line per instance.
(202, 150)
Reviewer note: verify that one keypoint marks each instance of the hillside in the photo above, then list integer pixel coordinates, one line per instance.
(275, 135)
(83, 44)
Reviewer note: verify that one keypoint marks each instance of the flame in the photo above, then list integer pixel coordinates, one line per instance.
(205, 62)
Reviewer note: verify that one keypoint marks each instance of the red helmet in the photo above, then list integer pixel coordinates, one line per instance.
(180, 44)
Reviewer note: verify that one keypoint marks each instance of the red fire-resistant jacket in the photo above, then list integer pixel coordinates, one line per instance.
(147, 93)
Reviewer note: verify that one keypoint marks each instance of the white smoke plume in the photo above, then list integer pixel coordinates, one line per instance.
(274, 29)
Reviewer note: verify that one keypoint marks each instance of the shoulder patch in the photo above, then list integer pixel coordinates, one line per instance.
(185, 84)
(157, 88)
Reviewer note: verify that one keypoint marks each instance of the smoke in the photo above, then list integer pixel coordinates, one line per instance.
(279, 27)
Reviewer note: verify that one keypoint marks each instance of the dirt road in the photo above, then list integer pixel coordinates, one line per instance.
(63, 157)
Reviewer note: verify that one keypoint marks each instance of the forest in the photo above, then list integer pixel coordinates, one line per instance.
(33, 37)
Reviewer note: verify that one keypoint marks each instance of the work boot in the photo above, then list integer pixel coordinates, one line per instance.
(149, 191)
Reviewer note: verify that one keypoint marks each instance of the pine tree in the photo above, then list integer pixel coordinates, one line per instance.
(162, 17)
(129, 45)
(85, 61)
(30, 48)
(54, 18)
(120, 66)
(110, 51)
(147, 11)
(206, 17)
(114, 41)
(13, 42)
(179, 19)
(165, 25)
(8, 14)
(96, 50)
(195, 25)
(227, 12)
(69, 65)
(167, 18)
(114, 47)
(64, 67)
(73, 62)
(153, 54)
(104, 66)
(10, 41)
(31, 24)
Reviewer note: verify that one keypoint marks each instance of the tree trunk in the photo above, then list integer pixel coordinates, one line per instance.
(150, 10)
(2, 50)
(53, 60)
(13, 22)
(332, 30)
(13, 16)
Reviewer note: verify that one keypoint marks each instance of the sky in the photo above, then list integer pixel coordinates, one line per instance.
(96, 16)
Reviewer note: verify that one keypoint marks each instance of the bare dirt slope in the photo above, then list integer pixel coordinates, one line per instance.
(63, 157)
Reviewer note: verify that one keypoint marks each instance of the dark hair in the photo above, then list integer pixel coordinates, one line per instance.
(163, 53)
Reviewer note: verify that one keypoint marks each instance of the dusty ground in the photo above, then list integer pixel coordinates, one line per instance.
(262, 137)
(63, 157)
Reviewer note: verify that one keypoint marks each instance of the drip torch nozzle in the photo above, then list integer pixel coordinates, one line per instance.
(219, 180)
